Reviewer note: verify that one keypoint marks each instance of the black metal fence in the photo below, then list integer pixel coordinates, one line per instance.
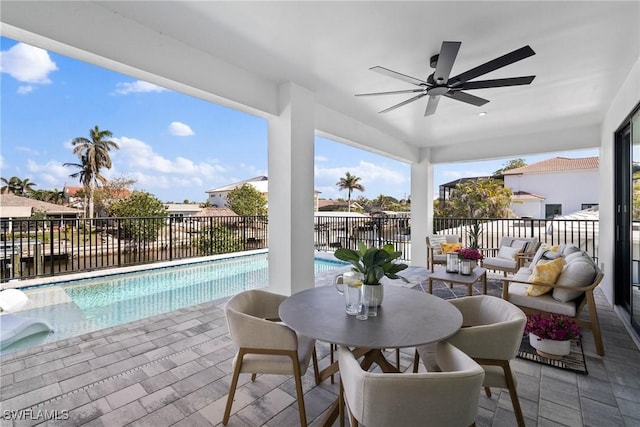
(580, 232)
(50, 247)
(47, 247)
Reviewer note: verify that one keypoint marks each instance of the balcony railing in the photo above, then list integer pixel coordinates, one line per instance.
(51, 247)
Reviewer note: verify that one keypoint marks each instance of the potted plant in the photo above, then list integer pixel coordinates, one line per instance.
(551, 334)
(470, 255)
(374, 264)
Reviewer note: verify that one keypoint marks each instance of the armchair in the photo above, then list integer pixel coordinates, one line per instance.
(491, 333)
(266, 346)
(510, 254)
(434, 250)
(446, 398)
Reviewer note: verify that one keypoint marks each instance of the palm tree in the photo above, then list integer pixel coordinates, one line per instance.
(349, 182)
(84, 175)
(26, 187)
(94, 155)
(17, 186)
(11, 185)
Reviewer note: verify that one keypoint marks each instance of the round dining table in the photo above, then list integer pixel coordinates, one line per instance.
(406, 318)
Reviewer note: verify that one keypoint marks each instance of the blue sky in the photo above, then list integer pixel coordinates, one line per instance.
(175, 146)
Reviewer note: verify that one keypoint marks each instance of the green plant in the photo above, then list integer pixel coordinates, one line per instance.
(374, 263)
(474, 231)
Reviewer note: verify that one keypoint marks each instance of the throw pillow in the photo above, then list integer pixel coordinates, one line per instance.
(507, 252)
(544, 271)
(445, 248)
(435, 241)
(580, 272)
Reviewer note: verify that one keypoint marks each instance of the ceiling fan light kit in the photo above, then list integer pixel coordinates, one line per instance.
(440, 84)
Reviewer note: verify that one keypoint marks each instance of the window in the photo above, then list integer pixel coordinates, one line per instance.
(588, 206)
(552, 210)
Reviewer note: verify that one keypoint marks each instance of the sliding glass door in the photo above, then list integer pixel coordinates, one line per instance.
(627, 198)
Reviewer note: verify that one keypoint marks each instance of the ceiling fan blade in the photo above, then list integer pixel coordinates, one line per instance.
(400, 76)
(431, 105)
(483, 84)
(415, 98)
(391, 93)
(487, 67)
(465, 97)
(446, 58)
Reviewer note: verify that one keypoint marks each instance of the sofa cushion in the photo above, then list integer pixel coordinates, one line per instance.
(492, 262)
(545, 271)
(508, 252)
(566, 250)
(518, 296)
(577, 273)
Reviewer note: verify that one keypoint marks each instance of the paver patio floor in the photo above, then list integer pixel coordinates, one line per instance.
(175, 369)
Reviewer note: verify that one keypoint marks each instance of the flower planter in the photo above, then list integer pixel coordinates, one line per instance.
(551, 349)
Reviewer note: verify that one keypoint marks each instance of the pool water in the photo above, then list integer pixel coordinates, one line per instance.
(107, 301)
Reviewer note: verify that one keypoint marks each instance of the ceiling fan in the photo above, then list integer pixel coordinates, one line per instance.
(439, 83)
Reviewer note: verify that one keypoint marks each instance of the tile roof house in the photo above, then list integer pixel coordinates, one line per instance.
(553, 187)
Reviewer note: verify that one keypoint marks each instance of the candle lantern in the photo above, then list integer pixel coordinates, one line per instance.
(465, 267)
(452, 262)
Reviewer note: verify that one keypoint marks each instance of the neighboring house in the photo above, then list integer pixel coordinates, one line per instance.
(72, 196)
(553, 187)
(9, 202)
(182, 210)
(546, 189)
(325, 205)
(218, 196)
(17, 207)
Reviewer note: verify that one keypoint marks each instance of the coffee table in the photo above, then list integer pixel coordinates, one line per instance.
(477, 273)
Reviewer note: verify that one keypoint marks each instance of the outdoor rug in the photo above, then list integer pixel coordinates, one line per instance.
(573, 362)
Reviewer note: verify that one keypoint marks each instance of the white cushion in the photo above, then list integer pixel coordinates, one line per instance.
(518, 296)
(12, 299)
(491, 262)
(578, 273)
(508, 252)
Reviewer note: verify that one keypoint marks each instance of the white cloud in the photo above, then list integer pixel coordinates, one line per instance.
(27, 64)
(180, 129)
(321, 158)
(139, 156)
(138, 86)
(372, 176)
(23, 90)
(51, 174)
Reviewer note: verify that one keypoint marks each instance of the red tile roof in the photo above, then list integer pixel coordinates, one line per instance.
(557, 164)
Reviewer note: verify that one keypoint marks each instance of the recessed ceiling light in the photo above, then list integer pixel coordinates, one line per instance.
(482, 113)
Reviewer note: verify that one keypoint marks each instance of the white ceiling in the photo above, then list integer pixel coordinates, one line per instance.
(237, 53)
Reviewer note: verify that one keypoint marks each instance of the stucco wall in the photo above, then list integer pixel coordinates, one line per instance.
(567, 188)
(622, 105)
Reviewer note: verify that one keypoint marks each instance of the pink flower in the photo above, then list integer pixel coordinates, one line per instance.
(469, 253)
(553, 327)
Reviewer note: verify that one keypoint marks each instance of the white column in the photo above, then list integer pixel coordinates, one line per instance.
(421, 210)
(291, 151)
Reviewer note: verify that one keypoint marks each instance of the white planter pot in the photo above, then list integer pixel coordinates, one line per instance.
(551, 349)
(378, 292)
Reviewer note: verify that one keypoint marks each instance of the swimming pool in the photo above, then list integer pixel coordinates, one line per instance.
(92, 304)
